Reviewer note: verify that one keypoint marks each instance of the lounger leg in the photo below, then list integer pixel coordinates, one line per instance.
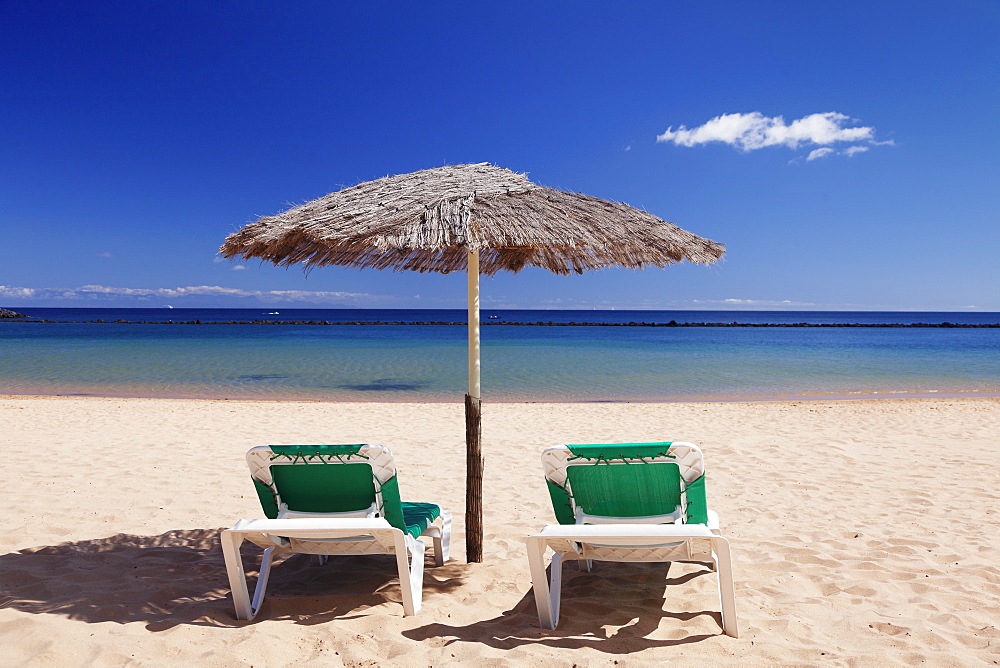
(411, 575)
(547, 596)
(237, 577)
(555, 586)
(727, 593)
(245, 609)
(262, 577)
(442, 541)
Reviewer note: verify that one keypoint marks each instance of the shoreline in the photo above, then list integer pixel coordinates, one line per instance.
(380, 398)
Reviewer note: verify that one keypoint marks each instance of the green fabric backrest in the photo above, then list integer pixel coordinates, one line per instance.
(325, 488)
(626, 490)
(317, 482)
(392, 507)
(267, 500)
(621, 450)
(697, 502)
(562, 505)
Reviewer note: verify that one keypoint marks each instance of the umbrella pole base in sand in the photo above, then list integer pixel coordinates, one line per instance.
(473, 481)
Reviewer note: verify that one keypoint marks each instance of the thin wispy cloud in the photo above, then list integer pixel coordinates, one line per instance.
(763, 302)
(104, 293)
(751, 303)
(617, 303)
(852, 150)
(849, 152)
(754, 131)
(819, 153)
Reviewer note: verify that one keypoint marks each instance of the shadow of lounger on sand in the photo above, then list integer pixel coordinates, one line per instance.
(629, 597)
(179, 577)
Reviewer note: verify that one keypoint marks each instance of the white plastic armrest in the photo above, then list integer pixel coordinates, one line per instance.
(313, 528)
(670, 518)
(624, 533)
(370, 512)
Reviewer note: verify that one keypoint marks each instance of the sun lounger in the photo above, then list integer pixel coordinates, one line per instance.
(627, 502)
(333, 500)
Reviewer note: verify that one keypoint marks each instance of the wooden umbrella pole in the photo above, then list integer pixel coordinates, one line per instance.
(473, 427)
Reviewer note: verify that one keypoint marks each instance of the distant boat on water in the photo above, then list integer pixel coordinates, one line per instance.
(167, 306)
(273, 313)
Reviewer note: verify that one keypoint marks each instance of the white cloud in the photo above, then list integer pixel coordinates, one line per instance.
(11, 291)
(752, 303)
(764, 302)
(239, 267)
(104, 293)
(753, 131)
(819, 153)
(105, 254)
(815, 154)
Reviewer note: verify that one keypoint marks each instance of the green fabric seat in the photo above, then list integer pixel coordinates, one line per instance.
(418, 516)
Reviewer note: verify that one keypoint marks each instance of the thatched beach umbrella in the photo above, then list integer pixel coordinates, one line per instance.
(476, 218)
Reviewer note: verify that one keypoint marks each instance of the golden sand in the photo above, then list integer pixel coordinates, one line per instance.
(863, 532)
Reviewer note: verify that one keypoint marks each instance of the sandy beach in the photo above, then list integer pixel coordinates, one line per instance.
(863, 533)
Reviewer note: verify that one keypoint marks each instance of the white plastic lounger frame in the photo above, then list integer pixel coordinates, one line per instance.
(325, 534)
(660, 538)
(348, 536)
(571, 541)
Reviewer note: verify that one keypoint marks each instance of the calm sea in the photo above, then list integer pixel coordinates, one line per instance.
(398, 362)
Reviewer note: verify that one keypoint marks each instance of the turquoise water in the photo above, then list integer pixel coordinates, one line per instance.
(428, 362)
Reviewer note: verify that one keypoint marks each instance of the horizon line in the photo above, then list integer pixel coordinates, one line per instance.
(970, 309)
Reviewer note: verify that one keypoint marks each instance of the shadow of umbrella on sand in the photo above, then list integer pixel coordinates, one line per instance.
(481, 219)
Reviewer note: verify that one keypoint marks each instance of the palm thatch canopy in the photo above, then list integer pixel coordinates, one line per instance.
(428, 220)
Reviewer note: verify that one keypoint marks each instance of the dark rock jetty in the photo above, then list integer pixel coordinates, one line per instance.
(6, 313)
(672, 323)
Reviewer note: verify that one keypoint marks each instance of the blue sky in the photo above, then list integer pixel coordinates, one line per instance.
(846, 153)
